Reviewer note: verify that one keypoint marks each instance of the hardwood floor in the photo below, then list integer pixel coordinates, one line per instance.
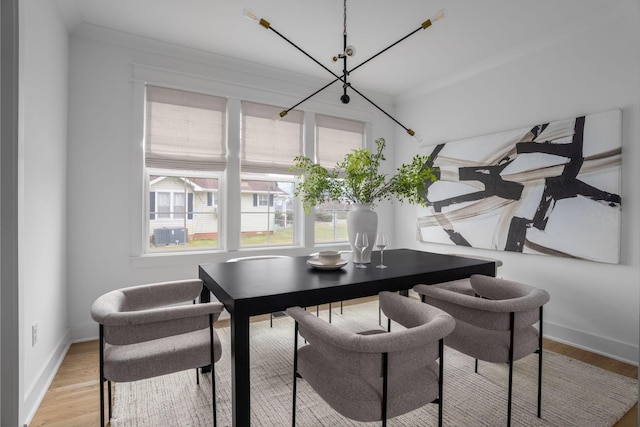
(73, 397)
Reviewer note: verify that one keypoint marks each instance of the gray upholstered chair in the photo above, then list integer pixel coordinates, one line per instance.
(374, 375)
(462, 282)
(255, 257)
(146, 332)
(494, 321)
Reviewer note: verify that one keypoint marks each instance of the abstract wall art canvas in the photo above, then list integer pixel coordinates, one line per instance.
(550, 189)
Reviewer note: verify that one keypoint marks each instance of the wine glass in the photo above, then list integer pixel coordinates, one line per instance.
(361, 243)
(381, 242)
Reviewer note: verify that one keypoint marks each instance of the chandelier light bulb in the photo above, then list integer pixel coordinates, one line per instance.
(439, 16)
(350, 50)
(280, 115)
(249, 14)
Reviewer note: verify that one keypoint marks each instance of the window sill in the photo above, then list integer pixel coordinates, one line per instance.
(181, 259)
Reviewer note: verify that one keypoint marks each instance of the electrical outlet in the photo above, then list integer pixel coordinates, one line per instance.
(34, 334)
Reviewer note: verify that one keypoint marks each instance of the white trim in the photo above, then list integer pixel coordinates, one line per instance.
(37, 391)
(594, 343)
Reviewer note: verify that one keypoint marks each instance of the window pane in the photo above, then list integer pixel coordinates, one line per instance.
(178, 205)
(170, 229)
(266, 216)
(163, 208)
(330, 223)
(335, 137)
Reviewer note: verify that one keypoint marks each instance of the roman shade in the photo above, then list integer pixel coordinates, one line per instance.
(185, 130)
(336, 137)
(268, 145)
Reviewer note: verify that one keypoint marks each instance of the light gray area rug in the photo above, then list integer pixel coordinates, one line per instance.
(574, 393)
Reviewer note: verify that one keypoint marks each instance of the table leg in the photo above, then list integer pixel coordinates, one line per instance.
(240, 383)
(205, 296)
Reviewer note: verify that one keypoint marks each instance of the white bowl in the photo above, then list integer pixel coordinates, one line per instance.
(329, 257)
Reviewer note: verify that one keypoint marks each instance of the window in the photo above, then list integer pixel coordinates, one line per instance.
(163, 207)
(185, 172)
(267, 151)
(335, 137)
(185, 150)
(263, 199)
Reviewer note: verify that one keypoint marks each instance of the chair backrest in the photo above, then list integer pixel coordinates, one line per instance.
(491, 309)
(407, 349)
(147, 312)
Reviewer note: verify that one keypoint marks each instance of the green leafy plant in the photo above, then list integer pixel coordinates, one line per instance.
(357, 179)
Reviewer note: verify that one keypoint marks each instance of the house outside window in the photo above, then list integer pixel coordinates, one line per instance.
(187, 223)
(185, 153)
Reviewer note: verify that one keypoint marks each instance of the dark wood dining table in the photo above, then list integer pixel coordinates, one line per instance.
(271, 285)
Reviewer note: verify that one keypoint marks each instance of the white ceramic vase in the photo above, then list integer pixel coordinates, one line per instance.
(362, 218)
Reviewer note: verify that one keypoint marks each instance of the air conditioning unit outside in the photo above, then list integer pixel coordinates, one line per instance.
(170, 236)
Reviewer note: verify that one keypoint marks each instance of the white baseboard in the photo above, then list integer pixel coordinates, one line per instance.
(604, 346)
(37, 392)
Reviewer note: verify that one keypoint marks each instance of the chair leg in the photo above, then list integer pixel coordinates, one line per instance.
(340, 307)
(110, 401)
(329, 312)
(101, 382)
(295, 374)
(385, 370)
(440, 381)
(271, 320)
(511, 339)
(213, 372)
(197, 377)
(540, 367)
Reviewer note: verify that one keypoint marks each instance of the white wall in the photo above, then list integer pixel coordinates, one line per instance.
(107, 70)
(43, 199)
(593, 305)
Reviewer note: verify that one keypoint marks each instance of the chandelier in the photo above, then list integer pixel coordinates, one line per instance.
(347, 52)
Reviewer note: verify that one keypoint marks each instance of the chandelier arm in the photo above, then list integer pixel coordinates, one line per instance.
(385, 49)
(409, 130)
(284, 112)
(305, 53)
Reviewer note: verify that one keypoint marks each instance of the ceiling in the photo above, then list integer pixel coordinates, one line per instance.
(476, 35)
